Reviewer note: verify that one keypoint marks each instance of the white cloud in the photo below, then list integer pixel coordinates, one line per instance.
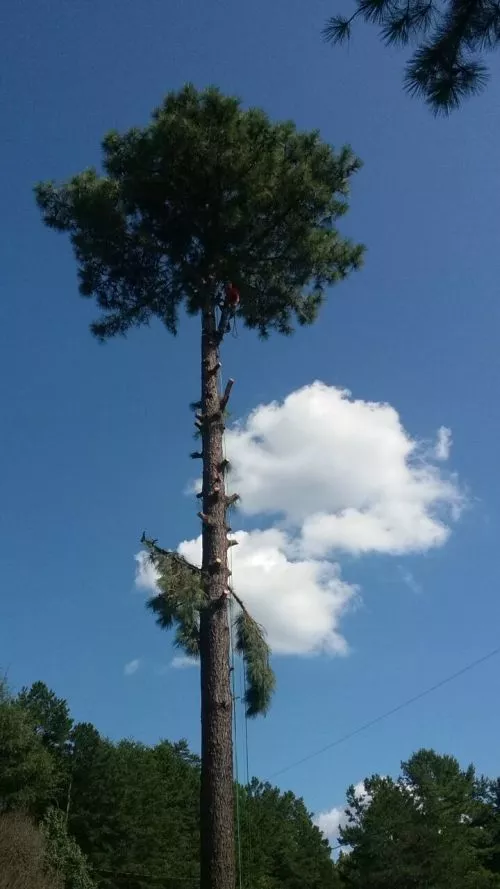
(146, 575)
(344, 472)
(361, 793)
(332, 474)
(299, 602)
(331, 821)
(443, 444)
(132, 667)
(182, 662)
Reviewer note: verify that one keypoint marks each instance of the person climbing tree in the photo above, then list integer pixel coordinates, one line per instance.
(209, 205)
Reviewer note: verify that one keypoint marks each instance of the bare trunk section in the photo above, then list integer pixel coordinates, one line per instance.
(217, 799)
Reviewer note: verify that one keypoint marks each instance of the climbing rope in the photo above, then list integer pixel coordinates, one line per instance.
(235, 747)
(232, 656)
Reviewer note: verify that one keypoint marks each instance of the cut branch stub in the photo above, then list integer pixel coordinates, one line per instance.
(232, 499)
(196, 455)
(227, 392)
(215, 368)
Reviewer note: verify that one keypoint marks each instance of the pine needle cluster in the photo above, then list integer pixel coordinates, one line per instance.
(260, 679)
(449, 38)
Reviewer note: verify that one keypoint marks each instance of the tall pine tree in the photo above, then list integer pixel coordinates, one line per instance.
(219, 210)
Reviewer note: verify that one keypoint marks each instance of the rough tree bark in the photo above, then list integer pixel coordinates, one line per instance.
(217, 801)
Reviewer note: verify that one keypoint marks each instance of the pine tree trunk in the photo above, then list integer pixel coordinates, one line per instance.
(216, 804)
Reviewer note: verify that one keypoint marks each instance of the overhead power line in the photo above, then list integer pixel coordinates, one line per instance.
(407, 703)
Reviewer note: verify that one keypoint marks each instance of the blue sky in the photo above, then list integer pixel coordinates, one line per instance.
(95, 440)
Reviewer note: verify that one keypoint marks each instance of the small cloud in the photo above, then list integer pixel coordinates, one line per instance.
(132, 667)
(361, 793)
(443, 444)
(409, 580)
(182, 662)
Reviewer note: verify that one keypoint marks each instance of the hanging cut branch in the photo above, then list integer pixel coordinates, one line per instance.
(252, 645)
(157, 554)
(179, 603)
(181, 596)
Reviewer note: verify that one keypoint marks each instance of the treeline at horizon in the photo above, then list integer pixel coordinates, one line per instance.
(78, 811)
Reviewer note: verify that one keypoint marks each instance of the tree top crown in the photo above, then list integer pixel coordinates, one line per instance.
(208, 193)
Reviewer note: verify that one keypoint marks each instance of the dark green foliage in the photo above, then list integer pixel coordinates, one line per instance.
(52, 722)
(260, 679)
(135, 814)
(49, 713)
(180, 599)
(62, 853)
(132, 818)
(28, 777)
(491, 813)
(449, 38)
(281, 847)
(94, 814)
(425, 829)
(133, 821)
(207, 193)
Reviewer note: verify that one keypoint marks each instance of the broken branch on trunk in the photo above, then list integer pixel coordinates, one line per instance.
(227, 392)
